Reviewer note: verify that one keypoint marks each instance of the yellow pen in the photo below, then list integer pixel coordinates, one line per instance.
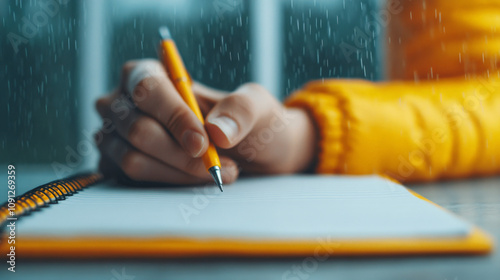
(179, 76)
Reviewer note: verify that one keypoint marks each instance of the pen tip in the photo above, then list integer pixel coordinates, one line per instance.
(164, 33)
(215, 172)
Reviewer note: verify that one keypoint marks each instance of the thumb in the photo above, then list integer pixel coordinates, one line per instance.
(234, 117)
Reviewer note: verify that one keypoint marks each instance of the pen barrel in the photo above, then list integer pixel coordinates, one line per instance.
(186, 92)
(211, 157)
(180, 78)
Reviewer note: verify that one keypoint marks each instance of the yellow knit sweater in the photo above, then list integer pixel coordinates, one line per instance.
(438, 117)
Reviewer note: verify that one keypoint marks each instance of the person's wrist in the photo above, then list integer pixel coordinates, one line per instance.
(304, 137)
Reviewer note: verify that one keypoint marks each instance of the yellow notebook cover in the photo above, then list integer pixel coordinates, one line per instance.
(281, 216)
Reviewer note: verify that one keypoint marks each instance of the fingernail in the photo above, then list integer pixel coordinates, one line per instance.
(142, 71)
(193, 142)
(227, 125)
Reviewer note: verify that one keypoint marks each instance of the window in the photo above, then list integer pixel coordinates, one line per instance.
(76, 49)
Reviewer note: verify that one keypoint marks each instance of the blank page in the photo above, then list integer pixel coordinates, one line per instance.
(283, 207)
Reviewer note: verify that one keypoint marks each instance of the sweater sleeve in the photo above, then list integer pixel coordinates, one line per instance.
(440, 119)
(411, 132)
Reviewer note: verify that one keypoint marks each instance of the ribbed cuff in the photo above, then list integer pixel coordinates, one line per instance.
(328, 112)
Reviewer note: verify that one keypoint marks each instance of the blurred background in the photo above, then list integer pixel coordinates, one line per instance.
(59, 56)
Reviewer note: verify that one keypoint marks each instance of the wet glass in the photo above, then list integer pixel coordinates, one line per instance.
(58, 56)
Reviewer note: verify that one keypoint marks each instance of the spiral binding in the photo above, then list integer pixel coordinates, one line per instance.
(49, 193)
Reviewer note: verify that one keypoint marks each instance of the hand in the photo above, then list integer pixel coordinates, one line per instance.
(150, 134)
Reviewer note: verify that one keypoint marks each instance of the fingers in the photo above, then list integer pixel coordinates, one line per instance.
(155, 136)
(155, 95)
(140, 167)
(147, 135)
(232, 119)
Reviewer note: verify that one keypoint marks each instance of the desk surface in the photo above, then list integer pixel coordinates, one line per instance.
(477, 200)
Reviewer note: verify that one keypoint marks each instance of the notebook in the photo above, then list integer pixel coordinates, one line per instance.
(299, 215)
